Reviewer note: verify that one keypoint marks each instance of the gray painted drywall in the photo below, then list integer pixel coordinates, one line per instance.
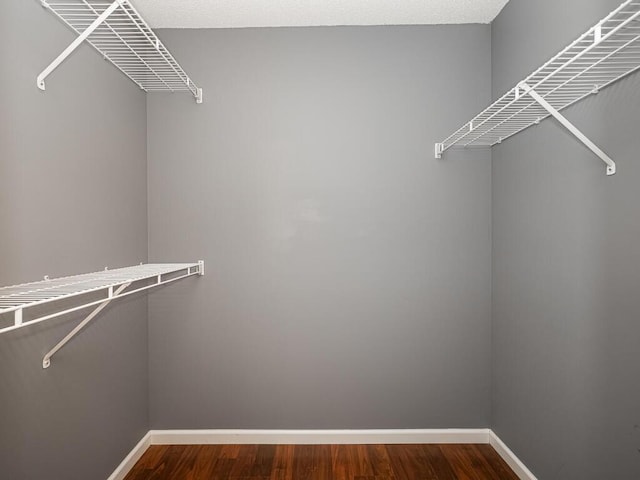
(72, 200)
(566, 265)
(348, 271)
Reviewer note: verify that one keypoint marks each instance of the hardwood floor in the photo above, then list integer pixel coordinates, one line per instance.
(321, 462)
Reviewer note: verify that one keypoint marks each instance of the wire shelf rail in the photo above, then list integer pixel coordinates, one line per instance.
(604, 54)
(112, 284)
(118, 32)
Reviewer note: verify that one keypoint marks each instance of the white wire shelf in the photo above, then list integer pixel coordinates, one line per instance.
(65, 295)
(606, 53)
(19, 298)
(121, 36)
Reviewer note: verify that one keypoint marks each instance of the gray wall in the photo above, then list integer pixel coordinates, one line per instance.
(72, 200)
(348, 270)
(566, 265)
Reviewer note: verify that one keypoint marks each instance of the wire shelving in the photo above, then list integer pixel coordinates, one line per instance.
(604, 54)
(118, 32)
(65, 295)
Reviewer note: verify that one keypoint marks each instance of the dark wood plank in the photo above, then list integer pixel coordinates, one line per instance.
(341, 462)
(373, 477)
(321, 462)
(380, 461)
(436, 458)
(167, 465)
(245, 459)
(495, 461)
(264, 460)
(460, 462)
(312, 462)
(153, 456)
(282, 468)
(408, 462)
(468, 463)
(207, 461)
(222, 469)
(185, 467)
(303, 462)
(362, 461)
(350, 461)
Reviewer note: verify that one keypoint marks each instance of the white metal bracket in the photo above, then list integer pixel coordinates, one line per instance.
(439, 150)
(611, 165)
(115, 291)
(46, 361)
(76, 43)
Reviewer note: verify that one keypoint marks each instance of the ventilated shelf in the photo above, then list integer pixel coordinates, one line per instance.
(52, 298)
(606, 53)
(121, 36)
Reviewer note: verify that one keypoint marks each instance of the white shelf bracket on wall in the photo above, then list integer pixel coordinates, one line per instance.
(76, 43)
(118, 32)
(606, 53)
(46, 361)
(56, 294)
(611, 165)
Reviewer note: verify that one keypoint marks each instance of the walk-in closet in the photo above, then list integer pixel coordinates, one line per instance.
(319, 240)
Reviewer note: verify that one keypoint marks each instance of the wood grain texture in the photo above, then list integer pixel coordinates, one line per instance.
(321, 462)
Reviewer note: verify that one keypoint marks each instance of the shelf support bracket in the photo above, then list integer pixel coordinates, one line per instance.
(46, 361)
(76, 43)
(611, 165)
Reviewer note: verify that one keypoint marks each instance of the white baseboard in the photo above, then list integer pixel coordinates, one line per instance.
(510, 458)
(319, 437)
(130, 460)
